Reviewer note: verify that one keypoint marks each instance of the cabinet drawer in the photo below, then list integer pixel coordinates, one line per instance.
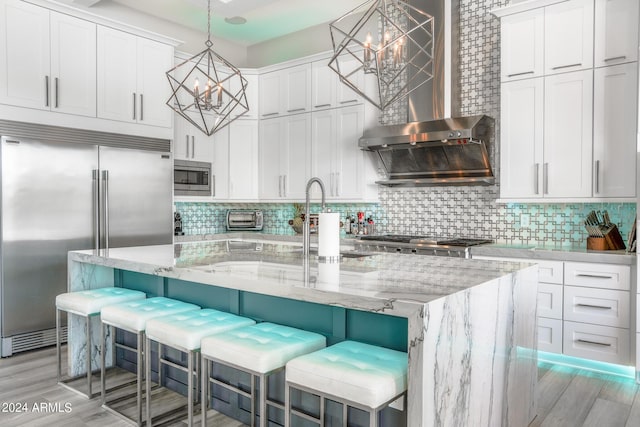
(550, 300)
(550, 271)
(597, 275)
(597, 306)
(550, 335)
(602, 343)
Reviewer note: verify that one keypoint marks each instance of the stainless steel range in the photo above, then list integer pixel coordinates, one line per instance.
(421, 245)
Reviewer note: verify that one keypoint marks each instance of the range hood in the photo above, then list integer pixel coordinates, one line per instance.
(437, 152)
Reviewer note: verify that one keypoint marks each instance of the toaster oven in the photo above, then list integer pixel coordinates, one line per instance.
(238, 220)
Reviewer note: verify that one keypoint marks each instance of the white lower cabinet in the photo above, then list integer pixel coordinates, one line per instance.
(550, 335)
(596, 342)
(598, 306)
(550, 300)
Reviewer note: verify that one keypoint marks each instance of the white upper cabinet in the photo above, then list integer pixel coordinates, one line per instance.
(220, 164)
(567, 144)
(47, 60)
(616, 32)
(132, 85)
(614, 130)
(243, 160)
(324, 86)
(568, 36)
(252, 93)
(190, 143)
(286, 91)
(522, 45)
(521, 137)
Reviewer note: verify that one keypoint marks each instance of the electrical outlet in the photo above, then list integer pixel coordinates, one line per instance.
(525, 220)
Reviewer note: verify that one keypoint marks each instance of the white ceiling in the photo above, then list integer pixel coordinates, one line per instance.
(266, 19)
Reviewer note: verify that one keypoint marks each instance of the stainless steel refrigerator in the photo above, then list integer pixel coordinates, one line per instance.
(65, 190)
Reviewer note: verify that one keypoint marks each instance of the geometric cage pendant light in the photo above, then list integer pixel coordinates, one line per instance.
(207, 90)
(383, 50)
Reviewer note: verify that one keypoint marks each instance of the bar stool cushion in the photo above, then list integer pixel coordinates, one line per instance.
(133, 315)
(261, 348)
(186, 330)
(353, 371)
(90, 302)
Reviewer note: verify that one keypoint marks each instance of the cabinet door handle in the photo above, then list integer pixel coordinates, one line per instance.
(322, 105)
(134, 106)
(337, 184)
(536, 178)
(615, 58)
(46, 91)
(348, 101)
(193, 147)
(520, 74)
(279, 185)
(593, 342)
(545, 178)
(295, 110)
(284, 185)
(331, 180)
(141, 107)
(213, 185)
(595, 276)
(604, 307)
(187, 144)
(560, 67)
(597, 172)
(270, 114)
(55, 85)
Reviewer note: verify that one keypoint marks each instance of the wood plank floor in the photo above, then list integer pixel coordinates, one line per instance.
(568, 397)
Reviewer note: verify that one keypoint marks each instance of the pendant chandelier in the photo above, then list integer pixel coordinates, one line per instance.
(385, 45)
(207, 90)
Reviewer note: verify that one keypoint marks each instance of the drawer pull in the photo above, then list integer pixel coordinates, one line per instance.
(566, 66)
(596, 276)
(295, 110)
(604, 307)
(322, 105)
(615, 58)
(520, 74)
(593, 342)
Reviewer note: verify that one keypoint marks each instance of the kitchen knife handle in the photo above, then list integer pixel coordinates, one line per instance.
(46, 91)
(96, 212)
(134, 106)
(56, 91)
(105, 192)
(545, 178)
(536, 178)
(597, 176)
(187, 144)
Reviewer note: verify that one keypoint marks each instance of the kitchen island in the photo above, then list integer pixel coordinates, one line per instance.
(468, 326)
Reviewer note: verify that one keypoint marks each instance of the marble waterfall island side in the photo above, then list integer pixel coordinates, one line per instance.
(469, 326)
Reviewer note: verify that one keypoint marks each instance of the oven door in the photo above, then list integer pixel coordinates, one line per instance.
(191, 178)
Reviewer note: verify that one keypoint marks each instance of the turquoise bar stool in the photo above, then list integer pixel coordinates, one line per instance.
(133, 316)
(184, 331)
(355, 374)
(87, 304)
(260, 350)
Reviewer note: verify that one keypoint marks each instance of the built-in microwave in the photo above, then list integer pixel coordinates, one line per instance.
(191, 178)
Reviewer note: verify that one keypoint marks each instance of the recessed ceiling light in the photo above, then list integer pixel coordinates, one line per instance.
(235, 20)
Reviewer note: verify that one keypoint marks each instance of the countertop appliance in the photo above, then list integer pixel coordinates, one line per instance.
(421, 245)
(248, 220)
(68, 189)
(191, 178)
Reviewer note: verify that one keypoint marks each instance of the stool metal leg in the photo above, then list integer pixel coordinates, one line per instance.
(139, 369)
(287, 404)
(189, 388)
(103, 362)
(58, 350)
(345, 413)
(204, 390)
(373, 417)
(147, 383)
(253, 401)
(263, 400)
(88, 351)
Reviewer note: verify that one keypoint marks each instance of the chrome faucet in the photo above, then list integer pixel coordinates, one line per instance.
(306, 229)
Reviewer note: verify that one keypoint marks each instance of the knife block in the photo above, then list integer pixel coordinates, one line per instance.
(597, 244)
(612, 240)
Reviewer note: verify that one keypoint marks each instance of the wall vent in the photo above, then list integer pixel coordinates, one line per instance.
(31, 341)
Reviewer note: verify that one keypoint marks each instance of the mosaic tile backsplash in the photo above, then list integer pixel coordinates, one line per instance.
(449, 211)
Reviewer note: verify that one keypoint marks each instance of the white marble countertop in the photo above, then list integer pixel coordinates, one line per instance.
(556, 253)
(391, 283)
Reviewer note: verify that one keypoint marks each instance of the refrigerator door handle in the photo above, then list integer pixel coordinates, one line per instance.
(96, 209)
(105, 207)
